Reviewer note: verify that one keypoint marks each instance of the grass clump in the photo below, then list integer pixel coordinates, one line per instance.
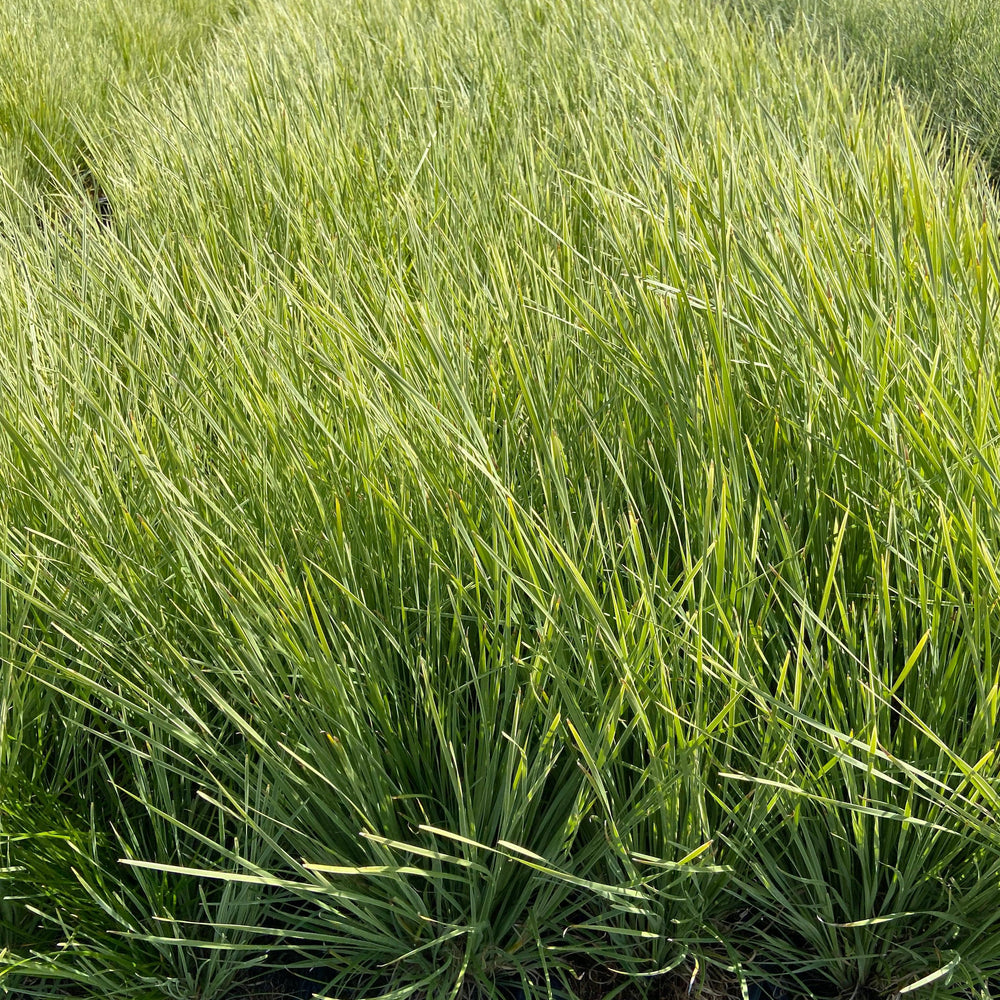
(509, 497)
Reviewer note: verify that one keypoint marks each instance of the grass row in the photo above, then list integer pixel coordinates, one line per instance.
(510, 497)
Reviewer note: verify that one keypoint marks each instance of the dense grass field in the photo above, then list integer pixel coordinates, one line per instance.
(499, 499)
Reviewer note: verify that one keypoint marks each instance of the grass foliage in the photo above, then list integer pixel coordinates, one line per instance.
(945, 54)
(63, 61)
(511, 491)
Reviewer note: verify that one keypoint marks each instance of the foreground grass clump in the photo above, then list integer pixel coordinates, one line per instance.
(510, 498)
(944, 53)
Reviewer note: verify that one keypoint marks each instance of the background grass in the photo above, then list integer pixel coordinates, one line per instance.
(61, 61)
(507, 497)
(945, 55)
